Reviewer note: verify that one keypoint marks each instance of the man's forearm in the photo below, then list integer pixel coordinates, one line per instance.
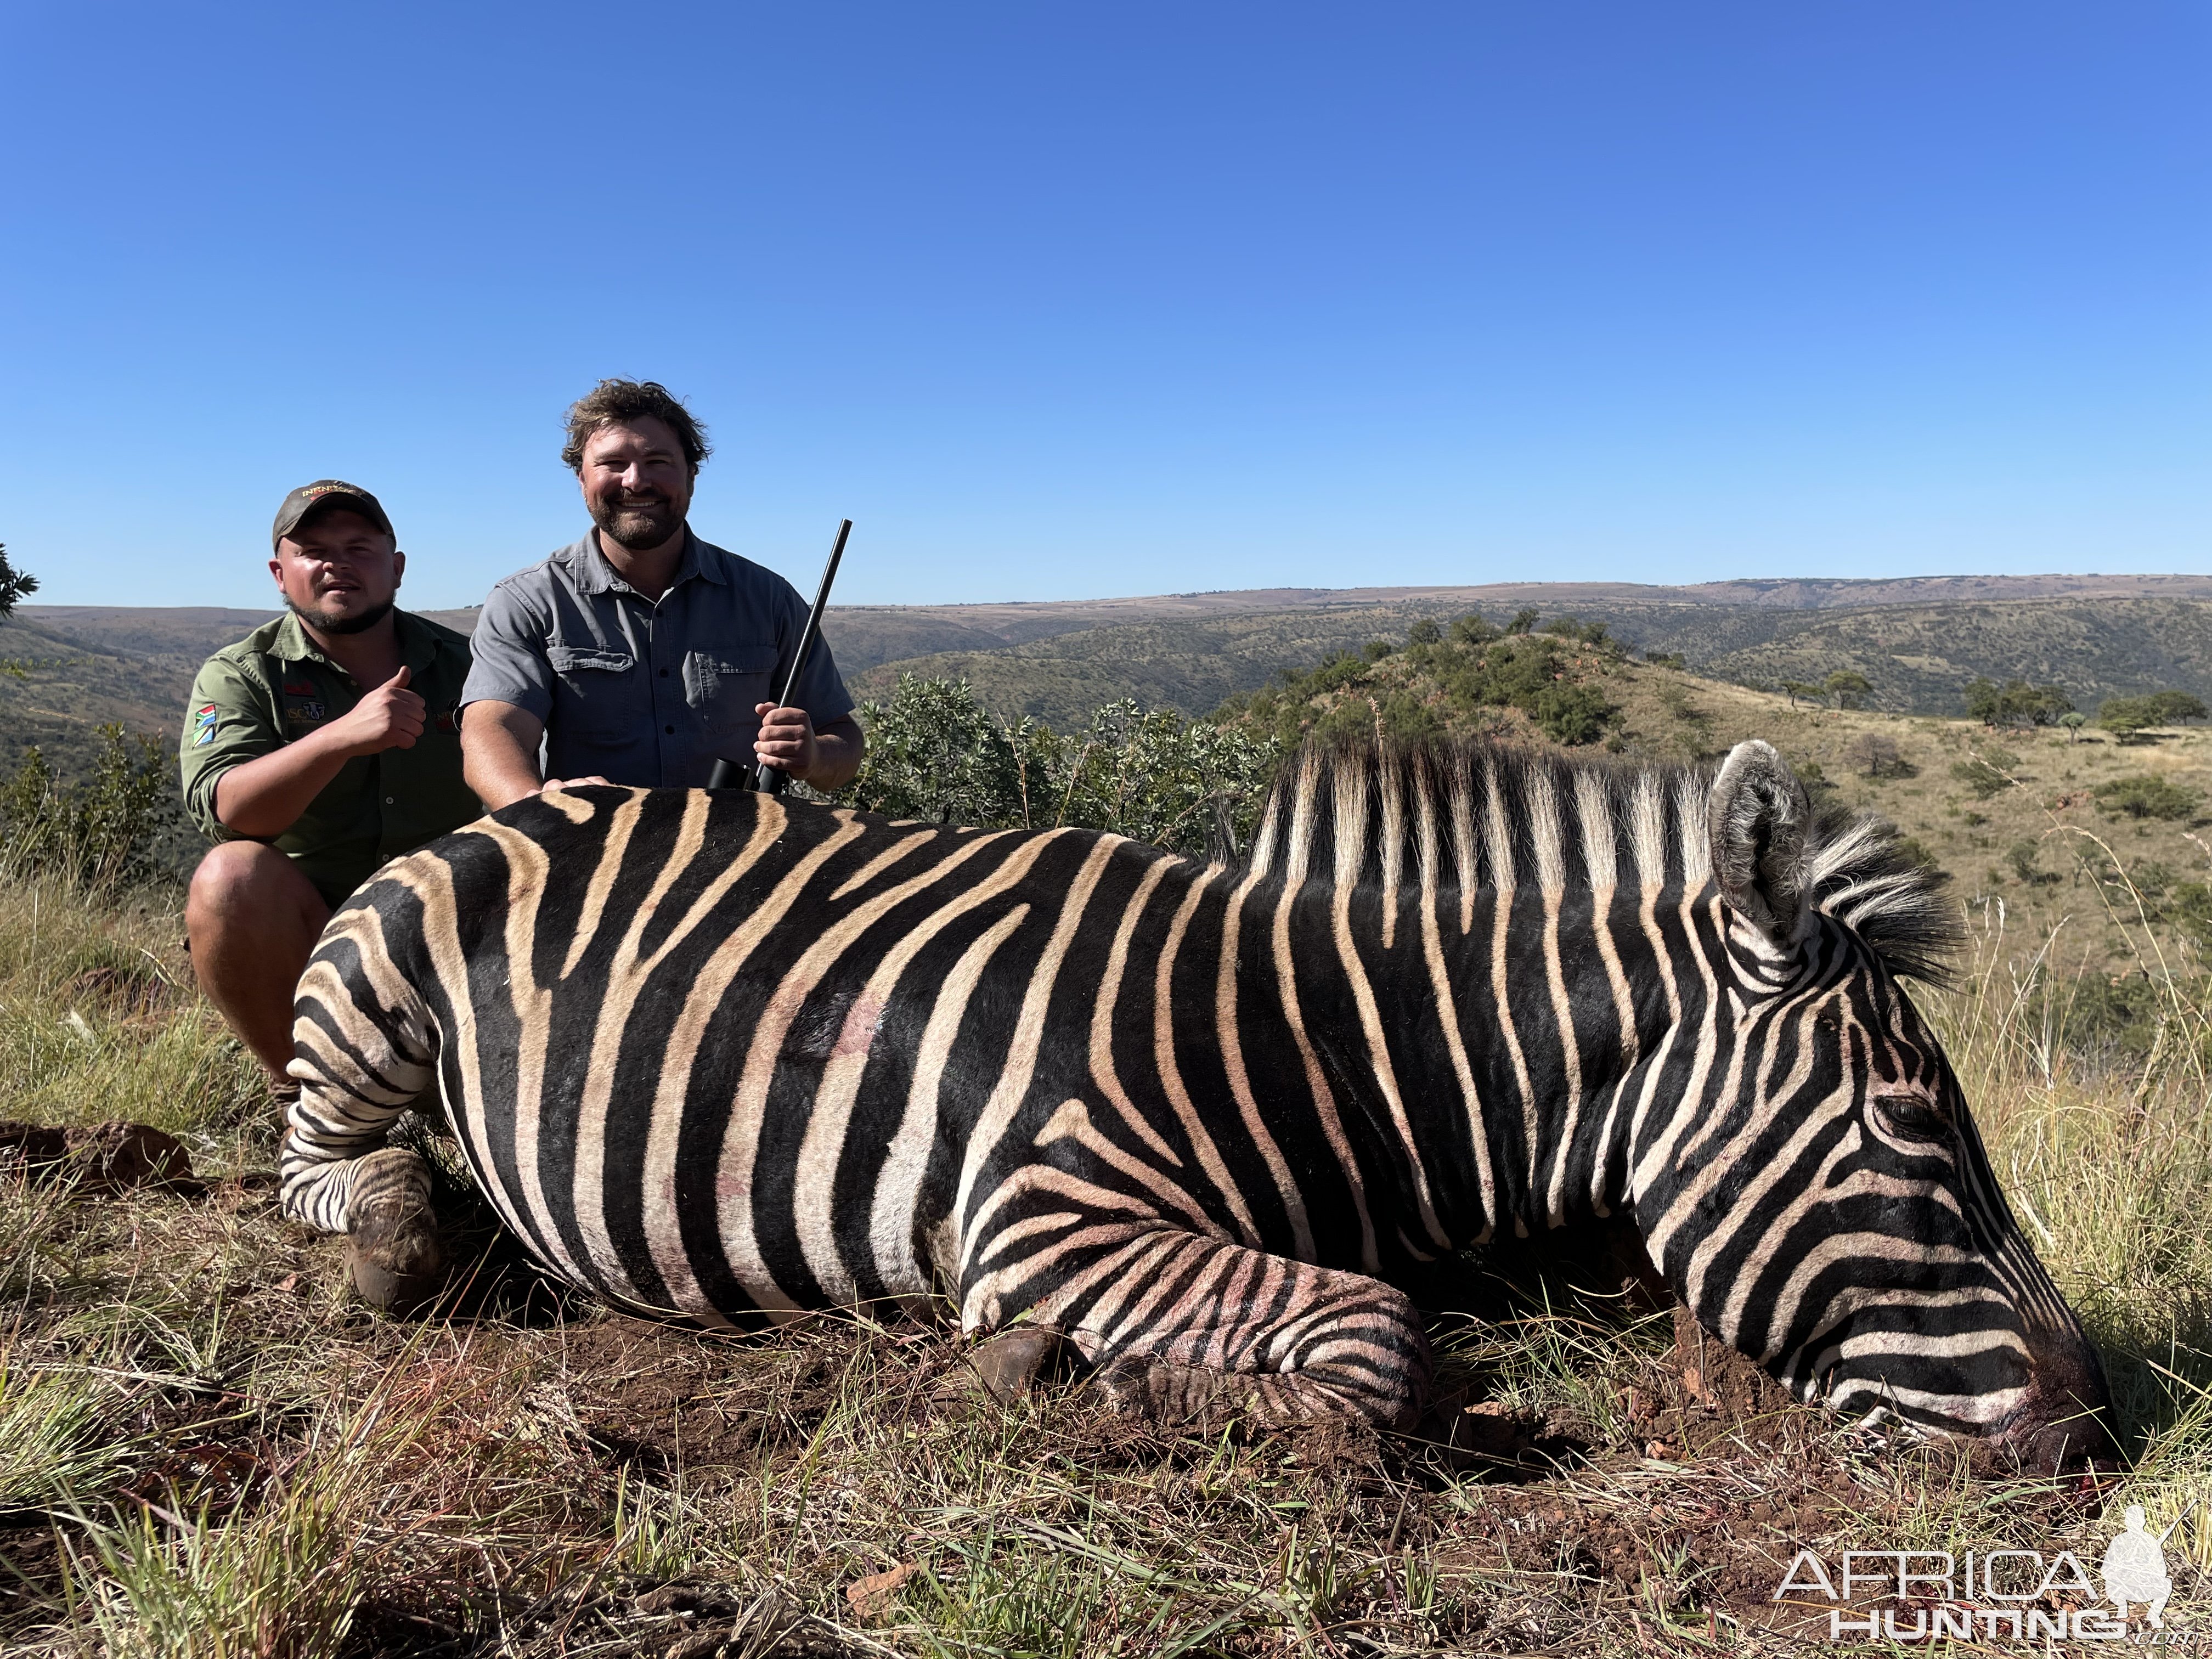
(499, 752)
(265, 798)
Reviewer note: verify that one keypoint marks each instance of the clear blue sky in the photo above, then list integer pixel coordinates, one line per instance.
(1061, 300)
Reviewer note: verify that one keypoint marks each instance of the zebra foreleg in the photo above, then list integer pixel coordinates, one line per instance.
(1180, 1326)
(360, 1065)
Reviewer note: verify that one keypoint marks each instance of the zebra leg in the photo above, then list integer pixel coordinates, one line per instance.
(360, 1063)
(1178, 1324)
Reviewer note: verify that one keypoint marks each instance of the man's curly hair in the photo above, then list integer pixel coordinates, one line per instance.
(613, 402)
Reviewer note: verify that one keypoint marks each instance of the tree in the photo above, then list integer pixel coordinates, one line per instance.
(1524, 620)
(2073, 720)
(2175, 707)
(2128, 717)
(1424, 632)
(2016, 703)
(1874, 755)
(15, 585)
(1805, 689)
(1847, 686)
(2147, 795)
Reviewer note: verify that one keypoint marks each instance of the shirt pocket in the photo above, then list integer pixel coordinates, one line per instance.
(597, 694)
(725, 686)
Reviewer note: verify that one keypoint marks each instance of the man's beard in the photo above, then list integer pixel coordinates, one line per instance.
(638, 524)
(361, 624)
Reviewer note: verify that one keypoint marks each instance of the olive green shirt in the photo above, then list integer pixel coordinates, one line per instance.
(275, 685)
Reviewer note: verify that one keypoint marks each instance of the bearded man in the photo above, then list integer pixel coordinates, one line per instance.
(641, 654)
(318, 747)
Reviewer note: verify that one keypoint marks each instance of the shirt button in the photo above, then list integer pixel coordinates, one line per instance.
(387, 800)
(670, 730)
(664, 673)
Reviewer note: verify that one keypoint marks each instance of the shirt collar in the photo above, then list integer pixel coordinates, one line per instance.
(418, 644)
(589, 569)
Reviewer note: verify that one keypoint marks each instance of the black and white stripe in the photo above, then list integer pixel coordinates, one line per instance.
(728, 1057)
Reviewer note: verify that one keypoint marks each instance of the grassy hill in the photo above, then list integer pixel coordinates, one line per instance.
(2044, 865)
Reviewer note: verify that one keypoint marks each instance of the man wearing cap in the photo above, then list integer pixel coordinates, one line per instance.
(316, 748)
(642, 654)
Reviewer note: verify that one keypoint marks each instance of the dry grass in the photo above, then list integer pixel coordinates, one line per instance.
(206, 1449)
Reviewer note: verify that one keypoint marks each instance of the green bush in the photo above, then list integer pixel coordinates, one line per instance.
(1988, 772)
(99, 834)
(935, 753)
(2147, 795)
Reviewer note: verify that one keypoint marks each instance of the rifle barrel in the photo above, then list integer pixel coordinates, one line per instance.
(765, 778)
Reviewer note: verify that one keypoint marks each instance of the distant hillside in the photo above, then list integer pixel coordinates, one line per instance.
(1917, 656)
(1917, 639)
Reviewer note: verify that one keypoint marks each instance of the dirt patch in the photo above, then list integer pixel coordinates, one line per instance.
(667, 1399)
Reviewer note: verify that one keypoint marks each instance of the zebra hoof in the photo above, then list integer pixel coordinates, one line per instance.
(1014, 1362)
(393, 1254)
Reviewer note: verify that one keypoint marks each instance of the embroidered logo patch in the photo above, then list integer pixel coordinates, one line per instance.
(303, 714)
(204, 723)
(299, 688)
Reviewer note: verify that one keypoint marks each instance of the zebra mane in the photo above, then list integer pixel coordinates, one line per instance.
(1475, 815)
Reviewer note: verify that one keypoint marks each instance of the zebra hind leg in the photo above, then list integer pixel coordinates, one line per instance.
(1183, 1327)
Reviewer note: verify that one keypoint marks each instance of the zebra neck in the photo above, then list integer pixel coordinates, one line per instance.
(1494, 1055)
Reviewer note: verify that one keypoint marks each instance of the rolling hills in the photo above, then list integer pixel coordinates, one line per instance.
(1917, 639)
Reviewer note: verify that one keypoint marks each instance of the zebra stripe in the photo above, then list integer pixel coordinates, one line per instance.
(729, 1057)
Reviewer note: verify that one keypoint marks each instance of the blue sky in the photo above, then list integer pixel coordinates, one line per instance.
(1058, 301)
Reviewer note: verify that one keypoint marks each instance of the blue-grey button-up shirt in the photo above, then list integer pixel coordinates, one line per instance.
(642, 691)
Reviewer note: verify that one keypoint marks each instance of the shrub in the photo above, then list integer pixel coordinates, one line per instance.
(2175, 707)
(99, 834)
(1990, 773)
(2147, 795)
(935, 753)
(1573, 714)
(1424, 632)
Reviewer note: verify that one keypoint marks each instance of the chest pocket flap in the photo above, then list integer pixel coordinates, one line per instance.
(563, 659)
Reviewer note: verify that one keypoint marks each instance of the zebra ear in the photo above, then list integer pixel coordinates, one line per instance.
(1757, 817)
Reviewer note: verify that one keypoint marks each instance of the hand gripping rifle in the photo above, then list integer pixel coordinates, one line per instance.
(766, 779)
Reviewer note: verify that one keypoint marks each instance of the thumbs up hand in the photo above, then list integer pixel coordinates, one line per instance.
(390, 717)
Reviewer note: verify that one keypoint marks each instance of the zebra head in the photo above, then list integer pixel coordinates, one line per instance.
(1826, 1205)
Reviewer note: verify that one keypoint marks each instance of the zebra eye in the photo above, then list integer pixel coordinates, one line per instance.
(1911, 1117)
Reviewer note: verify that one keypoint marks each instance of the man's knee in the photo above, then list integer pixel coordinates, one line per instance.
(248, 884)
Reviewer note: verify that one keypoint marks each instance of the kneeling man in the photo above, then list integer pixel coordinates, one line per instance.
(316, 748)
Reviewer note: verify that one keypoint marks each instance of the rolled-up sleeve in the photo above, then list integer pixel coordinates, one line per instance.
(507, 660)
(226, 724)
